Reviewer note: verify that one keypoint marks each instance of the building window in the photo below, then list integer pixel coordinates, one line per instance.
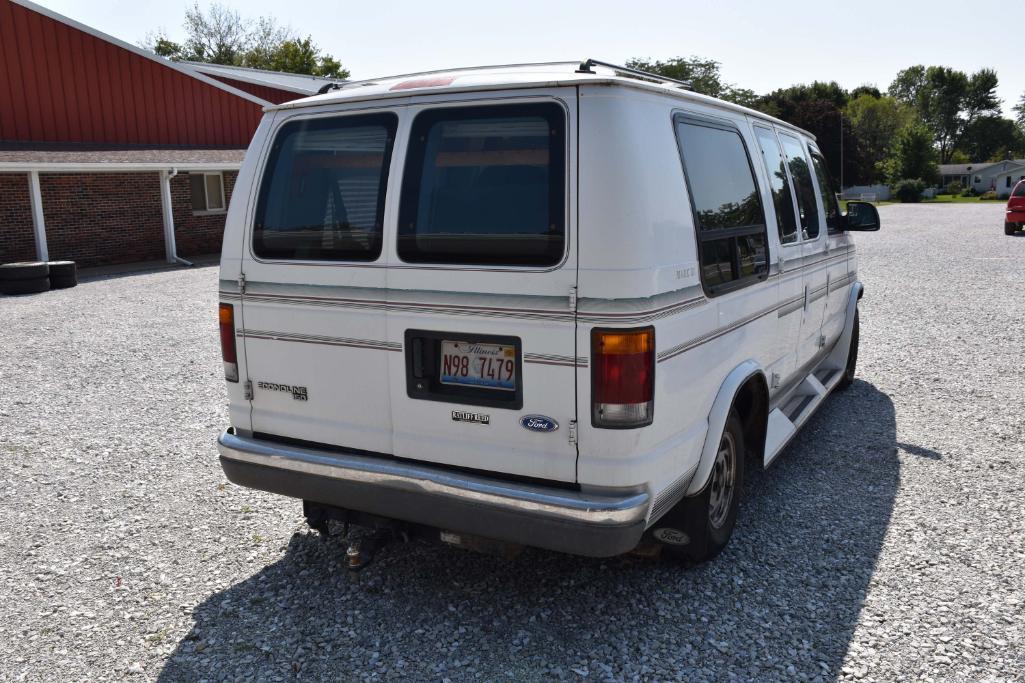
(207, 192)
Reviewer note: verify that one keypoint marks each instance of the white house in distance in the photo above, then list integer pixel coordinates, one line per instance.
(999, 176)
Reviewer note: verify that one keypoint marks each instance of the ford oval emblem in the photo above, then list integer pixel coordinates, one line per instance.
(539, 423)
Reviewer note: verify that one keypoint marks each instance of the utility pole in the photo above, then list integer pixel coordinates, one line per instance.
(841, 152)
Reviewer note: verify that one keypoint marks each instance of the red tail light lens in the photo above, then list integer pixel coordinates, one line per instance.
(226, 318)
(623, 378)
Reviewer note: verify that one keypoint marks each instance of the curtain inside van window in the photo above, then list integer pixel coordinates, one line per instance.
(485, 185)
(322, 195)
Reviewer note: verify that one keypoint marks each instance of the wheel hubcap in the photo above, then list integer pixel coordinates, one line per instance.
(724, 473)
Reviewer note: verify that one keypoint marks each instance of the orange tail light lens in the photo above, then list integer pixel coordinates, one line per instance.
(623, 378)
(226, 318)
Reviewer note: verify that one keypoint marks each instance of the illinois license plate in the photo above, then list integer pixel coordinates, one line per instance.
(472, 364)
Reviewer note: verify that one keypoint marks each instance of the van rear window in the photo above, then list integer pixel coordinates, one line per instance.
(485, 185)
(322, 195)
(1020, 190)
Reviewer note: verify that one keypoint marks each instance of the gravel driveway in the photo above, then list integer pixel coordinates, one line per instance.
(887, 543)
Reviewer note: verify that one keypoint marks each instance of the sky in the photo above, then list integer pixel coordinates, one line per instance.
(761, 45)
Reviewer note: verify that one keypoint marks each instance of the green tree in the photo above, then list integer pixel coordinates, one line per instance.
(1019, 109)
(993, 138)
(166, 48)
(948, 101)
(819, 109)
(220, 35)
(703, 74)
(875, 122)
(913, 155)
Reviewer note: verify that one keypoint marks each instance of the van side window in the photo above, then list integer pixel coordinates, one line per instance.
(322, 194)
(728, 210)
(829, 204)
(800, 172)
(782, 199)
(485, 185)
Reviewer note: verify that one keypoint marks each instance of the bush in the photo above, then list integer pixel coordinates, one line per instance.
(953, 188)
(968, 192)
(989, 195)
(908, 190)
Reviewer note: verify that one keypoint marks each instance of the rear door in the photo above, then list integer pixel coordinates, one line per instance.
(316, 330)
(482, 271)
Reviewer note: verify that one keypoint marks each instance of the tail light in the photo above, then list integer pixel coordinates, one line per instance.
(226, 315)
(623, 378)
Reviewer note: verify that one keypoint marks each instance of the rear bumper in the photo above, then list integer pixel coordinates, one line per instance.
(596, 525)
(1015, 217)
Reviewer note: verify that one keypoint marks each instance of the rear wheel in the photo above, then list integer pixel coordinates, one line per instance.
(700, 526)
(852, 355)
(1009, 228)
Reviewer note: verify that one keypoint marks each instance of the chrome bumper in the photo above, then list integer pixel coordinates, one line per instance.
(598, 525)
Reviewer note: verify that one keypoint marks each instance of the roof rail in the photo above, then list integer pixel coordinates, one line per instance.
(585, 68)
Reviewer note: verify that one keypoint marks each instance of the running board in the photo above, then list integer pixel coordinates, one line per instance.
(787, 419)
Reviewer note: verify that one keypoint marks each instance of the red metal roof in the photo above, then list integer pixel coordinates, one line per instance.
(64, 82)
(275, 95)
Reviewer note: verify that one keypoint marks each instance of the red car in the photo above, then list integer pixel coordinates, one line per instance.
(1015, 219)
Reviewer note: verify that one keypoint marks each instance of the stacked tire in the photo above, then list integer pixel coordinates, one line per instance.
(63, 274)
(32, 277)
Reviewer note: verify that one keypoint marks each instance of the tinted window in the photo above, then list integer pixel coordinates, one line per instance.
(485, 185)
(829, 204)
(1020, 190)
(322, 196)
(197, 188)
(727, 208)
(782, 199)
(800, 174)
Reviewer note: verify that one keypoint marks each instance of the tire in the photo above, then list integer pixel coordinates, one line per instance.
(35, 286)
(63, 274)
(852, 356)
(24, 270)
(1009, 228)
(705, 521)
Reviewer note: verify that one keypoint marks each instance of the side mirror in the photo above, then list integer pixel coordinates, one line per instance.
(861, 217)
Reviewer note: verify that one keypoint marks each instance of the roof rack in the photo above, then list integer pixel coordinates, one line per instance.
(585, 68)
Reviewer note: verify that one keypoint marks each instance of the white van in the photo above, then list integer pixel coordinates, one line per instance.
(556, 305)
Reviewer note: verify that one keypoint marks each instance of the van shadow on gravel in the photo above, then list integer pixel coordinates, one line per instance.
(781, 602)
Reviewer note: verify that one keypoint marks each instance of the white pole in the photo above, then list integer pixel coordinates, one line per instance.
(168, 216)
(170, 247)
(38, 222)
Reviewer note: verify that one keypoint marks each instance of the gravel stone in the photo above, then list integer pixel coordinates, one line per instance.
(887, 542)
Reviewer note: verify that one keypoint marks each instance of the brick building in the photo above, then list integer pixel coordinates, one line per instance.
(110, 154)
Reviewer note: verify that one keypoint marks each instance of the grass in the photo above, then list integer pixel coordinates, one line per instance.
(938, 199)
(958, 199)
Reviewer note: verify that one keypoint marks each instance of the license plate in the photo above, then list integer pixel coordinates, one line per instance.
(472, 364)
